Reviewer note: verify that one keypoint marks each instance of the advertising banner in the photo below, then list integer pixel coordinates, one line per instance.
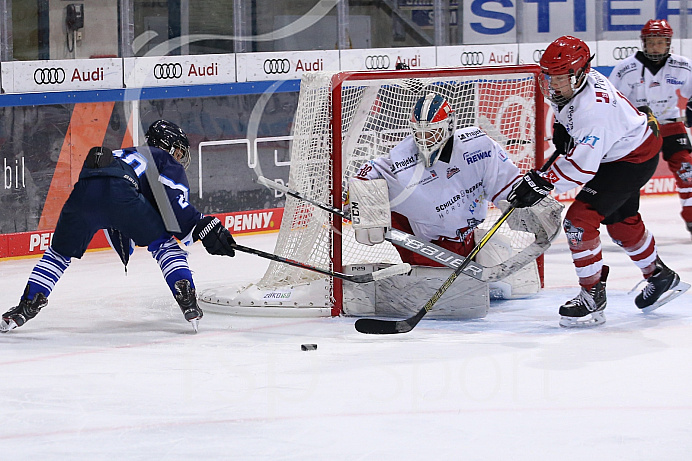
(283, 65)
(63, 75)
(388, 58)
(240, 223)
(199, 69)
(478, 55)
(530, 53)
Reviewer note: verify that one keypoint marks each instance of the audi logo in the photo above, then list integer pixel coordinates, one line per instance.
(277, 66)
(537, 55)
(621, 52)
(49, 75)
(380, 61)
(168, 70)
(472, 58)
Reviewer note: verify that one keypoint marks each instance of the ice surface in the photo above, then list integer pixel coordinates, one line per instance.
(110, 370)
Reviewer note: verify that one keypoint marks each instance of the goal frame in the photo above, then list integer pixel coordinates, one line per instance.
(337, 170)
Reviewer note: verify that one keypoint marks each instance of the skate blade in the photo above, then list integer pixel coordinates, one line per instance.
(668, 296)
(195, 324)
(591, 320)
(5, 326)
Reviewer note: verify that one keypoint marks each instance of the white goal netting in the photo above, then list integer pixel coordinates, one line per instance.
(345, 119)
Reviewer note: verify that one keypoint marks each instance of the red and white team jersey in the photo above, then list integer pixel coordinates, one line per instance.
(605, 127)
(452, 196)
(658, 91)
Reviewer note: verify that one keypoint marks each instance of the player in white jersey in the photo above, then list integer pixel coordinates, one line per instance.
(439, 181)
(652, 78)
(613, 152)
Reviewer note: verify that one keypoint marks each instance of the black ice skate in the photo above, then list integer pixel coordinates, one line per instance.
(689, 227)
(25, 311)
(187, 300)
(586, 309)
(664, 281)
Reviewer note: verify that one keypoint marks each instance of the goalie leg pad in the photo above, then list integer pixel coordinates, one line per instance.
(497, 250)
(402, 296)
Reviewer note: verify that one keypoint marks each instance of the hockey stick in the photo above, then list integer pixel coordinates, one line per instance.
(432, 251)
(359, 278)
(388, 327)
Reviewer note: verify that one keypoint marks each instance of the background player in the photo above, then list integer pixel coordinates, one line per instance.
(613, 154)
(114, 193)
(652, 78)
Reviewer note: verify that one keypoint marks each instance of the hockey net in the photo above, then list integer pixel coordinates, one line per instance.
(344, 119)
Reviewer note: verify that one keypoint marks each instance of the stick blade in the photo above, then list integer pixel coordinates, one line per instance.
(382, 327)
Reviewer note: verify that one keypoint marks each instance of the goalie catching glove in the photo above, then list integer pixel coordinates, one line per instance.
(370, 212)
(215, 238)
(529, 190)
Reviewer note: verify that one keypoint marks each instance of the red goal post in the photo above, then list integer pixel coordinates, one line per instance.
(346, 118)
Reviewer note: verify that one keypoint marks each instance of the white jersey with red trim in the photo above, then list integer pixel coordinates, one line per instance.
(453, 194)
(605, 127)
(658, 91)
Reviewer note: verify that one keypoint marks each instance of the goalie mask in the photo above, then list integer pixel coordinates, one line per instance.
(656, 37)
(433, 121)
(171, 138)
(564, 66)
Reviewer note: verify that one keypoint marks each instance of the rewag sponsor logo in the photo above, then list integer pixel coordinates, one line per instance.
(671, 80)
(473, 157)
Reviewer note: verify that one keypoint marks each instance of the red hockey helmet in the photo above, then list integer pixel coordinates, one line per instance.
(656, 28)
(566, 56)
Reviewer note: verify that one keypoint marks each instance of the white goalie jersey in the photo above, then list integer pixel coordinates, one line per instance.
(451, 196)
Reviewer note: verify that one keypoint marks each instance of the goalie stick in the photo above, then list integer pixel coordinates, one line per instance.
(388, 327)
(432, 251)
(359, 278)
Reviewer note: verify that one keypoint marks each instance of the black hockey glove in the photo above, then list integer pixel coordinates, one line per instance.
(688, 114)
(562, 141)
(215, 238)
(530, 190)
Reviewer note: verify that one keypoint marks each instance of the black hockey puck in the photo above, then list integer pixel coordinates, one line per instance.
(308, 347)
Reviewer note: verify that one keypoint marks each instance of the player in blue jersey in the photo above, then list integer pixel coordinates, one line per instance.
(113, 193)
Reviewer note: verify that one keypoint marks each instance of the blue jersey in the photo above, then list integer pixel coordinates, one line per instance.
(172, 176)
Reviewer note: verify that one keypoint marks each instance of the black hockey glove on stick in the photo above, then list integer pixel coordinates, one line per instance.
(530, 190)
(562, 141)
(215, 238)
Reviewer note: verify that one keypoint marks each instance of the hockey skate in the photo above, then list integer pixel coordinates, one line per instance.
(662, 286)
(689, 227)
(586, 309)
(22, 313)
(187, 300)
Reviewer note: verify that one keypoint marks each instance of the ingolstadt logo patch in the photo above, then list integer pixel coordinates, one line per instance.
(452, 171)
(574, 234)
